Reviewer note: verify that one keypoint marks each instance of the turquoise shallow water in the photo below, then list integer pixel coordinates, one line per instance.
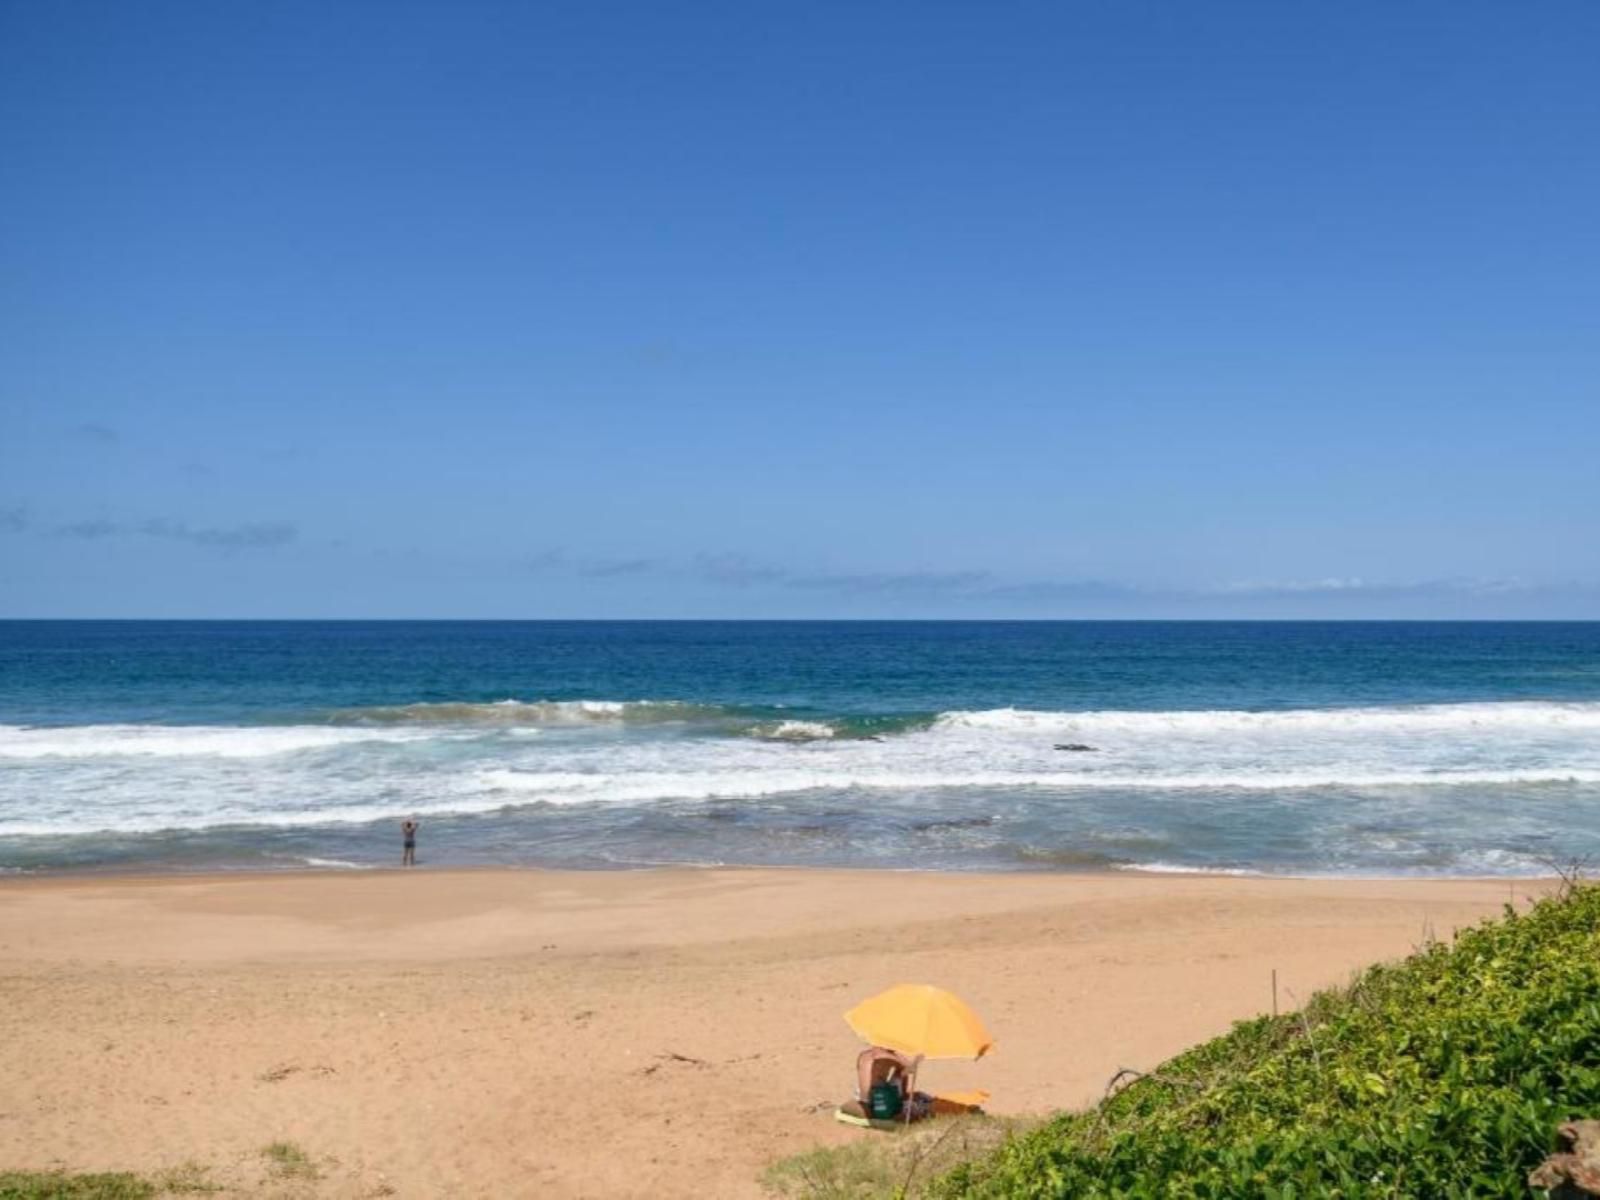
(1302, 747)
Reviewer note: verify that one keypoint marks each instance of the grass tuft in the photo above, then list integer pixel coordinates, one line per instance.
(189, 1179)
(888, 1163)
(289, 1161)
(59, 1185)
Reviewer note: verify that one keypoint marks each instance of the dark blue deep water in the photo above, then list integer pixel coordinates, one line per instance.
(1378, 748)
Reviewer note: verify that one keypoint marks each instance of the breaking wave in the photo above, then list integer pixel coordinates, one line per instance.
(642, 787)
(226, 741)
(530, 712)
(156, 819)
(1408, 787)
(1401, 718)
(794, 731)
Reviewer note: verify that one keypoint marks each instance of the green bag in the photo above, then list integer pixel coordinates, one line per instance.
(883, 1102)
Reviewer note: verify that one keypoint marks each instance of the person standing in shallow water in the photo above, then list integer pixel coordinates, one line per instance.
(408, 855)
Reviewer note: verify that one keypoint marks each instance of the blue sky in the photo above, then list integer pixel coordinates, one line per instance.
(592, 309)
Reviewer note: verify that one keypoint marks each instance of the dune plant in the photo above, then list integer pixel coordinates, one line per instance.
(1442, 1075)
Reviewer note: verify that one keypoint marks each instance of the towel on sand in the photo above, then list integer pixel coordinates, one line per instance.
(941, 1104)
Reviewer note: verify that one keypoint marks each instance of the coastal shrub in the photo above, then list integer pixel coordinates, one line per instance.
(1442, 1075)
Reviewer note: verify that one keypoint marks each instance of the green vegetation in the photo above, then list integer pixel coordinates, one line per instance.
(113, 1185)
(191, 1179)
(289, 1161)
(1443, 1075)
(888, 1164)
(58, 1185)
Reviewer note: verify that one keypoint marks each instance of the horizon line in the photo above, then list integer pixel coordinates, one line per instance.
(814, 620)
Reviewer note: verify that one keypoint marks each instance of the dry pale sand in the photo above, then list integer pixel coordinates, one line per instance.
(662, 1033)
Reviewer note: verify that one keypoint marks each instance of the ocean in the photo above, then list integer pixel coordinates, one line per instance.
(1301, 748)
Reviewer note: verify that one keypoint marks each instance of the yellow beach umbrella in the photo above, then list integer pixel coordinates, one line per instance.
(918, 1018)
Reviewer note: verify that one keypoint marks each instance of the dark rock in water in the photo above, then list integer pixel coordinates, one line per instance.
(1078, 747)
(1574, 1170)
(953, 823)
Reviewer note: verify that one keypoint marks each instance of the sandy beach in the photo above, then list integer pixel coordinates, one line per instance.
(653, 1033)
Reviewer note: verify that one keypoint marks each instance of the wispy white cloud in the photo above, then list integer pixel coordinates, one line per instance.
(257, 535)
(735, 570)
(1355, 585)
(983, 592)
(896, 582)
(96, 433)
(772, 585)
(1267, 586)
(613, 568)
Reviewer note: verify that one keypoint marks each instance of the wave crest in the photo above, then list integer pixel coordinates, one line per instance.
(180, 741)
(1515, 714)
(794, 731)
(528, 712)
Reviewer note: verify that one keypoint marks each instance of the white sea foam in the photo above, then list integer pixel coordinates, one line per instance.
(136, 778)
(252, 741)
(642, 787)
(334, 863)
(1462, 863)
(1509, 715)
(524, 712)
(795, 731)
(158, 818)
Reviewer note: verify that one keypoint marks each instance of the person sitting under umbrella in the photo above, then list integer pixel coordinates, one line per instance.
(903, 1026)
(877, 1065)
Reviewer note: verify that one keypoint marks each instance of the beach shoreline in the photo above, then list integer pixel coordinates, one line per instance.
(612, 1033)
(117, 873)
